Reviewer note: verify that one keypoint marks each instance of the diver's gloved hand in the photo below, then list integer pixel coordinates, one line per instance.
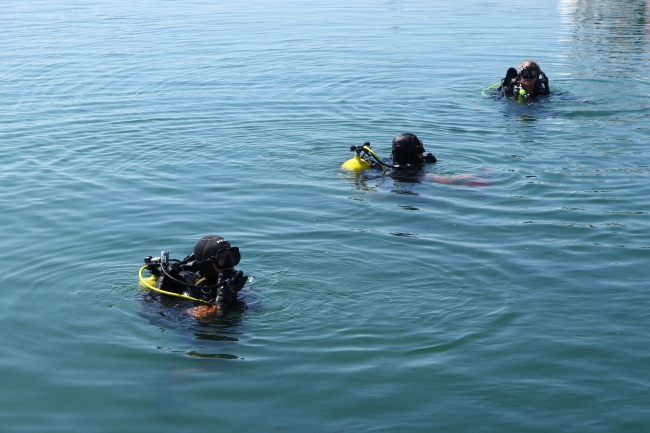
(233, 283)
(430, 158)
(512, 73)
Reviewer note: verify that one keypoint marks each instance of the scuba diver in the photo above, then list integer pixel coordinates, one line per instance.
(408, 151)
(208, 275)
(529, 82)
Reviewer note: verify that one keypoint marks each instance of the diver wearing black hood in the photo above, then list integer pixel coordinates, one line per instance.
(208, 274)
(407, 156)
(408, 151)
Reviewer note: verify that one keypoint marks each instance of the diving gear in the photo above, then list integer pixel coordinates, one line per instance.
(150, 283)
(206, 251)
(359, 161)
(207, 275)
(406, 146)
(529, 73)
(511, 86)
(490, 88)
(542, 84)
(226, 258)
(522, 91)
(226, 293)
(356, 163)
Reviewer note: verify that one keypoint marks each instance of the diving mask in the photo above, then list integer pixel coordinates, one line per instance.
(226, 258)
(529, 74)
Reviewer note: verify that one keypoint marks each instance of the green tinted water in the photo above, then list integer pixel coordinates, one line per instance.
(381, 303)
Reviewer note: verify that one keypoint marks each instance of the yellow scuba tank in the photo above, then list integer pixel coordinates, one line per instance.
(358, 162)
(355, 163)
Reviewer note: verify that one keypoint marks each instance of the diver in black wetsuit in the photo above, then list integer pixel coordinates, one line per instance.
(208, 274)
(407, 158)
(408, 151)
(528, 83)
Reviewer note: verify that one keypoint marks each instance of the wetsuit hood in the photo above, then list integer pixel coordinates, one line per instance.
(204, 251)
(208, 245)
(407, 149)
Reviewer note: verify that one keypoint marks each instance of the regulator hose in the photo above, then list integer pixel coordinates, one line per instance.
(165, 292)
(374, 155)
(491, 87)
(216, 286)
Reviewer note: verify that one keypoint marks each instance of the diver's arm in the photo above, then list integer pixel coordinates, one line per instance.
(479, 179)
(508, 82)
(506, 90)
(542, 85)
(545, 90)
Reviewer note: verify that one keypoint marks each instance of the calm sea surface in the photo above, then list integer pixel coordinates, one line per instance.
(381, 303)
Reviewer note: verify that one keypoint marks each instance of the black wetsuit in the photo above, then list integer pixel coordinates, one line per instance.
(185, 278)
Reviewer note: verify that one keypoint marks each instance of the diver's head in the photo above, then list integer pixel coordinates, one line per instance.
(407, 149)
(528, 72)
(215, 255)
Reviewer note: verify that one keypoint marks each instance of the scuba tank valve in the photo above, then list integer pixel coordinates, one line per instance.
(359, 162)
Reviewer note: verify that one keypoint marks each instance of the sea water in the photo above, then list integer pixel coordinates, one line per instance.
(381, 303)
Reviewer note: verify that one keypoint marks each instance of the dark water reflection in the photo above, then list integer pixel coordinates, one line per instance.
(171, 314)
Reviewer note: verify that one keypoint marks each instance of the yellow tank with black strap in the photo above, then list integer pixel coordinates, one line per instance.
(146, 282)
